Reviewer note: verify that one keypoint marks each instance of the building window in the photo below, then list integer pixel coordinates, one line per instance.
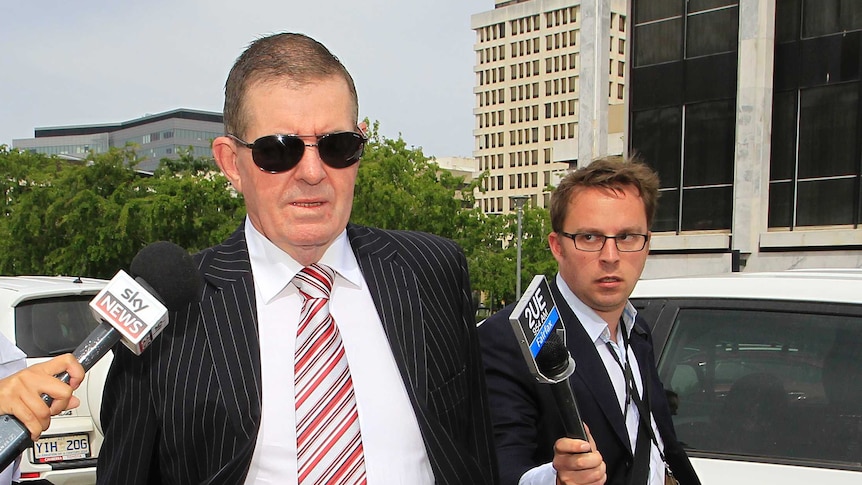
(816, 148)
(683, 81)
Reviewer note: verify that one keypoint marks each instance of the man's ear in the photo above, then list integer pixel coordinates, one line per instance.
(224, 152)
(554, 244)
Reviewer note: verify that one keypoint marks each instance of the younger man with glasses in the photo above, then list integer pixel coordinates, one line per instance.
(600, 216)
(319, 351)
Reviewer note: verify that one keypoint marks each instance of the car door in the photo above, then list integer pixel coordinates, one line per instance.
(763, 388)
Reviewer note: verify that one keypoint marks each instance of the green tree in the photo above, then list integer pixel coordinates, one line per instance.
(400, 188)
(91, 219)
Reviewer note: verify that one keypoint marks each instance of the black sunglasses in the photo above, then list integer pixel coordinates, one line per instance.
(280, 153)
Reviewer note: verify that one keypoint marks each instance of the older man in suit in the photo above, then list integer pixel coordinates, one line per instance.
(319, 351)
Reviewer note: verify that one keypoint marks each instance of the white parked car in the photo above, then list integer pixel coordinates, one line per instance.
(46, 316)
(764, 372)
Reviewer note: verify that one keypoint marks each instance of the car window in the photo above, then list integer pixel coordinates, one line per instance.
(53, 326)
(766, 383)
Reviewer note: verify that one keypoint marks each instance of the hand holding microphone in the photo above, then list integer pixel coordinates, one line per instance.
(131, 310)
(20, 392)
(537, 325)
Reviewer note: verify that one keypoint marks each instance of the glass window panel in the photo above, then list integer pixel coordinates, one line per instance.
(783, 157)
(658, 85)
(825, 202)
(767, 383)
(658, 42)
(656, 137)
(710, 77)
(830, 60)
(780, 204)
(828, 131)
(823, 17)
(667, 212)
(649, 10)
(709, 143)
(788, 65)
(706, 208)
(787, 18)
(712, 32)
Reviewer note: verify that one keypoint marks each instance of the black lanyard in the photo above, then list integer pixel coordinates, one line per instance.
(631, 389)
(630, 385)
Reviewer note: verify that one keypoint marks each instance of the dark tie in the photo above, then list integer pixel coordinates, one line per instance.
(328, 442)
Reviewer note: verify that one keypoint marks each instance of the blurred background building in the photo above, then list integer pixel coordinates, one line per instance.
(541, 67)
(155, 136)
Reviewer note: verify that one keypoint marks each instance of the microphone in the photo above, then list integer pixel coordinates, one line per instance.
(131, 310)
(533, 320)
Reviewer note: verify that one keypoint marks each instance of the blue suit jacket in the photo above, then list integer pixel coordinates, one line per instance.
(188, 410)
(526, 417)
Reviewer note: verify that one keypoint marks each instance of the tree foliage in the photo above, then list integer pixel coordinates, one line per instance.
(91, 218)
(400, 188)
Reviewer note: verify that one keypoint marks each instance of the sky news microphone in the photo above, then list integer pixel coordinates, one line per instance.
(133, 310)
(535, 322)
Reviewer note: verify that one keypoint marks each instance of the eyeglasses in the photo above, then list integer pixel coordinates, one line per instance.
(280, 153)
(593, 243)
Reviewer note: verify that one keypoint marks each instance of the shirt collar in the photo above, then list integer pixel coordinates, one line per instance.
(273, 269)
(594, 325)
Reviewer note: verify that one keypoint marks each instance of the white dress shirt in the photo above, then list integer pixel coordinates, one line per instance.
(393, 446)
(600, 334)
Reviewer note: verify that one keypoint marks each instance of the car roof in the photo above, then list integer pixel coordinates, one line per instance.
(15, 289)
(825, 285)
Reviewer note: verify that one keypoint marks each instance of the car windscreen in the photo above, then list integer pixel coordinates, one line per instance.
(53, 326)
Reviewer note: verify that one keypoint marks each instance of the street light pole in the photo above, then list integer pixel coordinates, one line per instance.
(519, 201)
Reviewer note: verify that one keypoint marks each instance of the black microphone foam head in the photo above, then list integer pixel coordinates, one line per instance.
(170, 271)
(553, 358)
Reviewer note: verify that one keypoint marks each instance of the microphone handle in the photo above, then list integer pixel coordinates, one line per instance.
(100, 341)
(569, 412)
(14, 438)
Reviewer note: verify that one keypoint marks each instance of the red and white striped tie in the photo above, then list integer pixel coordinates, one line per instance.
(328, 442)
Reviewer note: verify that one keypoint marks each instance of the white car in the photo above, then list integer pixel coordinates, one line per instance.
(46, 316)
(763, 372)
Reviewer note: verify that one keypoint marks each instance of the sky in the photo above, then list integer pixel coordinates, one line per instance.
(98, 61)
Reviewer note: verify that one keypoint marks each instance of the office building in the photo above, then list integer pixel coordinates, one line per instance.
(541, 67)
(154, 136)
(751, 112)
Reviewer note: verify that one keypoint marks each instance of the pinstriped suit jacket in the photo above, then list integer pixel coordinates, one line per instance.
(187, 411)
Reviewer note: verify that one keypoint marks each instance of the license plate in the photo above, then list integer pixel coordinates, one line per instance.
(61, 448)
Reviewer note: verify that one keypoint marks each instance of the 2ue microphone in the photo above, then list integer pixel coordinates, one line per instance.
(535, 321)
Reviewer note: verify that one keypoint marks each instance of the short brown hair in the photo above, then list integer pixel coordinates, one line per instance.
(613, 173)
(294, 59)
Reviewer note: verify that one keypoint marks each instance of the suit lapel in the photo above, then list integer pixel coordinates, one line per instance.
(589, 368)
(395, 294)
(229, 318)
